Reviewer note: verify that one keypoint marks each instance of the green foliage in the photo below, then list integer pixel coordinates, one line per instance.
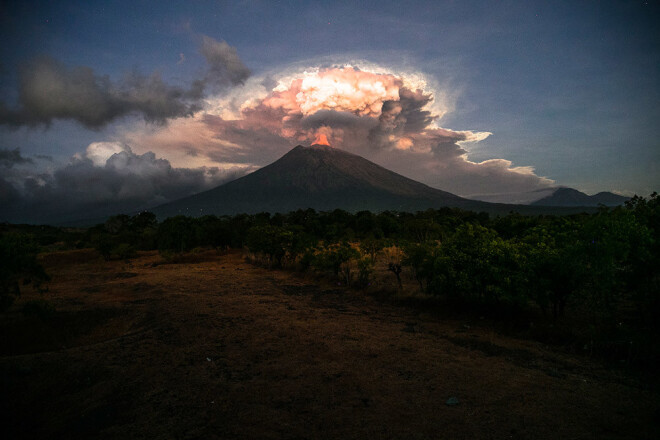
(332, 257)
(18, 264)
(420, 258)
(272, 241)
(177, 234)
(600, 268)
(371, 246)
(365, 268)
(475, 263)
(421, 230)
(123, 251)
(121, 235)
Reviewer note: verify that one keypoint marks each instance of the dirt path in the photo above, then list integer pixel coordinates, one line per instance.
(221, 349)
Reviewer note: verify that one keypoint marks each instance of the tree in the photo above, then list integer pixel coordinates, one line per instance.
(394, 258)
(272, 241)
(18, 263)
(177, 234)
(419, 257)
(334, 256)
(475, 263)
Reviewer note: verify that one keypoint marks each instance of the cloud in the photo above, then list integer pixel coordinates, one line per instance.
(49, 90)
(225, 67)
(106, 179)
(100, 152)
(388, 118)
(9, 158)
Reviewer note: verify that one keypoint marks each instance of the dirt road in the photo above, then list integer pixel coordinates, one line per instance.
(218, 348)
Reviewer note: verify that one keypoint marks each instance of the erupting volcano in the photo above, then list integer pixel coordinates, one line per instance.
(321, 139)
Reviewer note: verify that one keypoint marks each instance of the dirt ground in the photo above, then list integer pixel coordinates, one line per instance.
(218, 348)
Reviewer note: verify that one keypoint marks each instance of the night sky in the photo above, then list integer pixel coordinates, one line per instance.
(111, 106)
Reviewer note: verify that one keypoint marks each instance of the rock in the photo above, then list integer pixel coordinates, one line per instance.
(452, 401)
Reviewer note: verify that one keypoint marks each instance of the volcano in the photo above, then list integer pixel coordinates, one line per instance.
(573, 197)
(319, 177)
(324, 178)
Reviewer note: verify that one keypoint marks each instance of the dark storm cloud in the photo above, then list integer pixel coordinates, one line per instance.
(8, 193)
(256, 145)
(126, 182)
(225, 66)
(49, 90)
(335, 119)
(9, 158)
(269, 83)
(403, 117)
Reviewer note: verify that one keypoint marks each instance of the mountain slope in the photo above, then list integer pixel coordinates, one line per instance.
(573, 197)
(318, 177)
(326, 178)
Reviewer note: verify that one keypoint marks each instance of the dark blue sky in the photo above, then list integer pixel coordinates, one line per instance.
(569, 88)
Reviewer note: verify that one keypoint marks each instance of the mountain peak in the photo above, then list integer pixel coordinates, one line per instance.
(572, 197)
(319, 177)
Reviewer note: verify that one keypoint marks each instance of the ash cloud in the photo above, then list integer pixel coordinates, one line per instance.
(225, 66)
(49, 90)
(383, 117)
(107, 179)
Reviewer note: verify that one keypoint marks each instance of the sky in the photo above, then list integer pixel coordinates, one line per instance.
(120, 106)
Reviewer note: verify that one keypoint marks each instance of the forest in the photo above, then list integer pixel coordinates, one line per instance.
(590, 281)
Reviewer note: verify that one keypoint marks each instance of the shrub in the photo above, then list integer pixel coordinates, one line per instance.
(123, 251)
(272, 241)
(365, 267)
(394, 260)
(39, 308)
(18, 262)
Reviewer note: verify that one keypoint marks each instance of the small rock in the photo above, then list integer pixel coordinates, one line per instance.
(452, 401)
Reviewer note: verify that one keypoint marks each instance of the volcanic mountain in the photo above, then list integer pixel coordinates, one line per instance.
(573, 197)
(326, 178)
(319, 177)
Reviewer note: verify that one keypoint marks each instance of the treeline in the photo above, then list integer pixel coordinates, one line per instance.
(602, 266)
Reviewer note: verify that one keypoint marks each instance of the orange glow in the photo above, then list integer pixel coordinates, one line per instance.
(321, 139)
(340, 89)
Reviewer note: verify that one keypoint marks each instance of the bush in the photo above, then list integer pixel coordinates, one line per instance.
(272, 241)
(365, 267)
(332, 257)
(178, 234)
(123, 251)
(18, 263)
(39, 308)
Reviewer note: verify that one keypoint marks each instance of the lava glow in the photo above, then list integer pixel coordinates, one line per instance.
(321, 139)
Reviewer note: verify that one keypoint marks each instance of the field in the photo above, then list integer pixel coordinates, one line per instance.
(215, 347)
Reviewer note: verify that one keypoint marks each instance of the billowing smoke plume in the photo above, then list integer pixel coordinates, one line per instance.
(50, 90)
(225, 67)
(389, 118)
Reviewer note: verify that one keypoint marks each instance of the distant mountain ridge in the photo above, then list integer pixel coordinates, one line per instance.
(326, 178)
(568, 197)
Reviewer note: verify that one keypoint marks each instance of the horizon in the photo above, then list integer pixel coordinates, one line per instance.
(104, 111)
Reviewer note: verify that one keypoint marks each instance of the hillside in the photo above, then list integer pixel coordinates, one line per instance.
(326, 178)
(567, 197)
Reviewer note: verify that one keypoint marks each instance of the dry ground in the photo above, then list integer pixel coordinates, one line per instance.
(219, 348)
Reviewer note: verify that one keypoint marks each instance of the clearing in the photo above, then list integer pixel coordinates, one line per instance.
(214, 347)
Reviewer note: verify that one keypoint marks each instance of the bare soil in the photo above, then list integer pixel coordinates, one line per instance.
(213, 347)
